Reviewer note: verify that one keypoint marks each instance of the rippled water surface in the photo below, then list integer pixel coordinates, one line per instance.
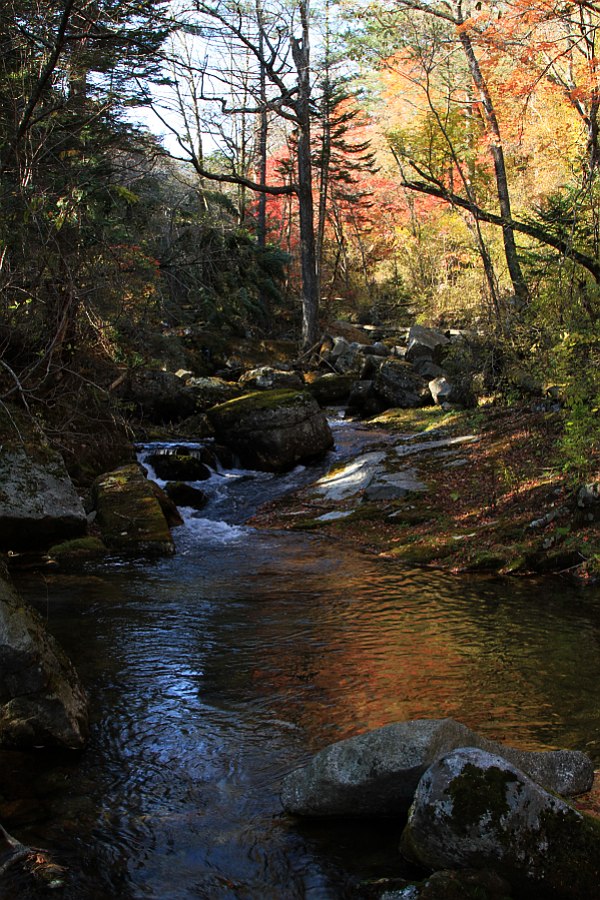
(213, 673)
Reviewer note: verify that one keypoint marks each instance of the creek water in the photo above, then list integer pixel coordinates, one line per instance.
(213, 673)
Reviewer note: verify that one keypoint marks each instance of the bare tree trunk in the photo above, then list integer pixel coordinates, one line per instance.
(508, 234)
(308, 254)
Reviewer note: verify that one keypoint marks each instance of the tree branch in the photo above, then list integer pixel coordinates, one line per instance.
(539, 234)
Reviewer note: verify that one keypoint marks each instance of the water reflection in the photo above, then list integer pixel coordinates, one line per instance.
(214, 673)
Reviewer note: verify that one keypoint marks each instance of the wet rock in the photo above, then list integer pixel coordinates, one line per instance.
(167, 505)
(38, 503)
(129, 515)
(42, 701)
(449, 884)
(273, 430)
(425, 343)
(398, 383)
(473, 809)
(376, 773)
(267, 379)
(184, 494)
(179, 464)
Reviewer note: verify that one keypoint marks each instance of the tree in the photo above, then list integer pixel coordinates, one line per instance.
(275, 80)
(66, 75)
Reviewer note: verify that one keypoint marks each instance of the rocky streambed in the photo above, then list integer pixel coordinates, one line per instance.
(441, 485)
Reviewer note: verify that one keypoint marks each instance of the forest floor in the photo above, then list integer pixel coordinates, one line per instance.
(506, 507)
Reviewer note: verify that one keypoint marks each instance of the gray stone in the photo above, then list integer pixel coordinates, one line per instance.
(376, 773)
(209, 391)
(427, 369)
(42, 701)
(398, 383)
(38, 503)
(588, 496)
(266, 378)
(425, 343)
(394, 486)
(474, 809)
(346, 480)
(273, 430)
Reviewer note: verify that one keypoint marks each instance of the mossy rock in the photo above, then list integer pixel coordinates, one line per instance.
(129, 514)
(77, 550)
(473, 809)
(273, 430)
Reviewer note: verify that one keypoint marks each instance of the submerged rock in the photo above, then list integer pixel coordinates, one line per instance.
(183, 494)
(38, 503)
(42, 702)
(273, 430)
(452, 884)
(473, 809)
(129, 514)
(376, 773)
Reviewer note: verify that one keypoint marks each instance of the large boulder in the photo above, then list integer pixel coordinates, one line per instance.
(473, 809)
(273, 430)
(425, 343)
(399, 384)
(376, 773)
(38, 503)
(160, 397)
(129, 513)
(42, 701)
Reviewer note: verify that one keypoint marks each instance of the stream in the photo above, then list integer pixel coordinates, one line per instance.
(213, 673)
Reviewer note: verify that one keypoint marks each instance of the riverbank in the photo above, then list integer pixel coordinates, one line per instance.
(497, 502)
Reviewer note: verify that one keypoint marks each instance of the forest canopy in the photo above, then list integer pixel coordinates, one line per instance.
(383, 161)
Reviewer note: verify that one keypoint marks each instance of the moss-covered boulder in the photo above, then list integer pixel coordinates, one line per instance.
(473, 809)
(273, 430)
(38, 503)
(42, 701)
(129, 514)
(376, 773)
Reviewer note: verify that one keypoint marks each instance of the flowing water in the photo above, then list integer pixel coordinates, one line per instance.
(213, 673)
